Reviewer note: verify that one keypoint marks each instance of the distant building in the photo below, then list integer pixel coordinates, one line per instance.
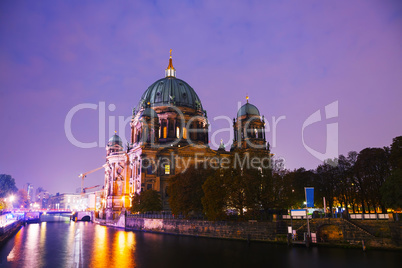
(42, 199)
(66, 202)
(76, 202)
(30, 192)
(169, 127)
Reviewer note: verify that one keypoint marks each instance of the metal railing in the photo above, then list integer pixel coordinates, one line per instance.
(162, 215)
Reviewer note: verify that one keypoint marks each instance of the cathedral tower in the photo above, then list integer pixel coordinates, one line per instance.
(249, 129)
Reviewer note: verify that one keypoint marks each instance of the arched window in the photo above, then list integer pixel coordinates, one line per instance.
(184, 133)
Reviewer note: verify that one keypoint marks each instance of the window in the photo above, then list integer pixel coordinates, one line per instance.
(144, 165)
(177, 132)
(167, 169)
(158, 94)
(184, 133)
(150, 169)
(149, 186)
(164, 132)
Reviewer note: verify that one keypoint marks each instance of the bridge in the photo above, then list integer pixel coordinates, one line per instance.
(57, 216)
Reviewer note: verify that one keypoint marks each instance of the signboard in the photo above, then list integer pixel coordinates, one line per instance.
(313, 237)
(298, 212)
(309, 192)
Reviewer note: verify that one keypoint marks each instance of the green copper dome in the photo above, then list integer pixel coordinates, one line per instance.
(115, 139)
(248, 109)
(170, 91)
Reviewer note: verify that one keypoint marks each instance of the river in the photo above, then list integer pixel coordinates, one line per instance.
(85, 244)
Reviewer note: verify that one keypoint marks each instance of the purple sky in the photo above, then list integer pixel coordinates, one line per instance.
(291, 57)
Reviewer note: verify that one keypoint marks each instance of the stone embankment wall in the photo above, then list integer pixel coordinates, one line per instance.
(349, 233)
(120, 222)
(9, 231)
(387, 230)
(257, 231)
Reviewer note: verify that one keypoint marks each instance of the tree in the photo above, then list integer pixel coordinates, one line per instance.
(351, 188)
(7, 185)
(235, 190)
(344, 190)
(326, 181)
(372, 168)
(301, 178)
(185, 190)
(151, 201)
(22, 199)
(396, 153)
(136, 203)
(391, 190)
(278, 194)
(214, 199)
(241, 189)
(146, 201)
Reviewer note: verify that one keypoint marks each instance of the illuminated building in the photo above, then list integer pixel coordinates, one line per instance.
(169, 128)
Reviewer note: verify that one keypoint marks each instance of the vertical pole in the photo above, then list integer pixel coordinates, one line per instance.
(82, 184)
(308, 224)
(325, 207)
(291, 223)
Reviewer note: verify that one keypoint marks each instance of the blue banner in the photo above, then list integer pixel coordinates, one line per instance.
(309, 192)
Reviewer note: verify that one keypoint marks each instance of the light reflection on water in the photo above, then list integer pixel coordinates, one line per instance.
(85, 244)
(114, 250)
(124, 246)
(100, 256)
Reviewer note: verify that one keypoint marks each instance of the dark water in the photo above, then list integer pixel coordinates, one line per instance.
(84, 244)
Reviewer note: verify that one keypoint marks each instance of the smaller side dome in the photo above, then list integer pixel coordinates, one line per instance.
(248, 109)
(115, 139)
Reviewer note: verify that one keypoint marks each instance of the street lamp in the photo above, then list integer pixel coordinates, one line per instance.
(11, 198)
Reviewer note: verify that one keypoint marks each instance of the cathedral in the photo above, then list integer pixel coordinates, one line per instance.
(169, 132)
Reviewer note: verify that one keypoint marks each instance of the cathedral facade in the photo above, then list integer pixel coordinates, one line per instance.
(169, 132)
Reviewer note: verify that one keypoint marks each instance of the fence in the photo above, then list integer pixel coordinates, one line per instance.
(168, 215)
(369, 216)
(351, 216)
(163, 215)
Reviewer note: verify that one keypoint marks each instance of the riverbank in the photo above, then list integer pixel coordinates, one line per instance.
(83, 244)
(329, 232)
(8, 231)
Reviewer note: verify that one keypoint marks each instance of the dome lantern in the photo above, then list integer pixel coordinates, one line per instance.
(170, 71)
